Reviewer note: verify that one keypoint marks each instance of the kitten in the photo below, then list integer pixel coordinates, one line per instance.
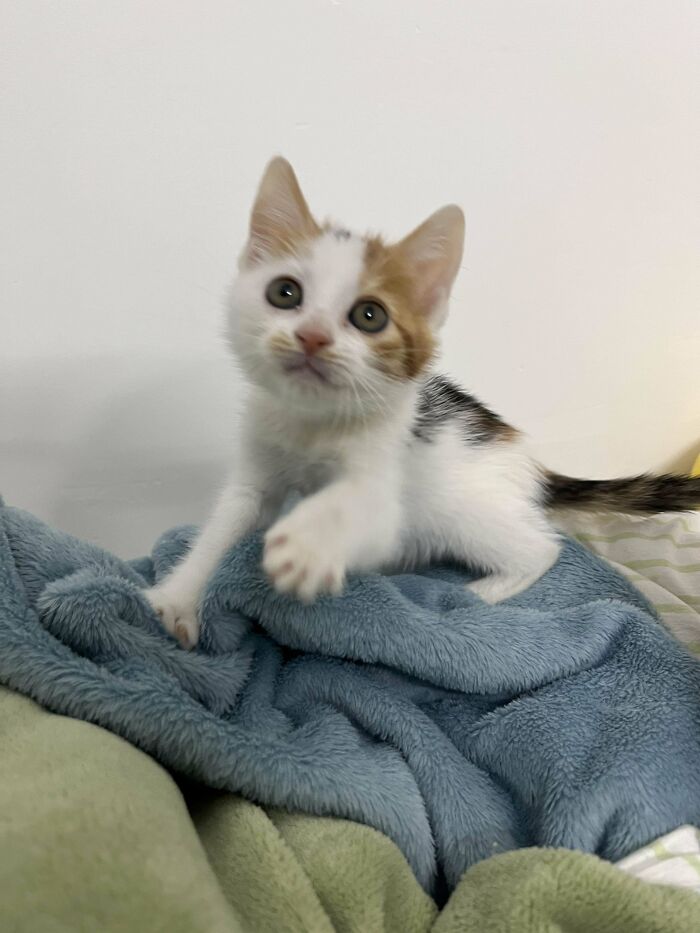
(336, 334)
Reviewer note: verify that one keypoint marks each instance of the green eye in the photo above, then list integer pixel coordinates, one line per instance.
(284, 293)
(368, 316)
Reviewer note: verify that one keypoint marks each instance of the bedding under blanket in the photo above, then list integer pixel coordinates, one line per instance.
(566, 716)
(102, 842)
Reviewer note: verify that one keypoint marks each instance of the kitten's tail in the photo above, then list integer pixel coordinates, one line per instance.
(645, 493)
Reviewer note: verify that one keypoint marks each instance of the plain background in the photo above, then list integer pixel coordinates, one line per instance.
(133, 135)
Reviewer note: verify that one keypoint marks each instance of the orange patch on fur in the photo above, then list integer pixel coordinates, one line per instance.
(407, 346)
(279, 242)
(280, 342)
(281, 223)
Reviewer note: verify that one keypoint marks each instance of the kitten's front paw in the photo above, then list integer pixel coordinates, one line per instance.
(177, 615)
(302, 559)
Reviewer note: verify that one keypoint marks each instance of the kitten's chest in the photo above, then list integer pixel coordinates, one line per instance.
(301, 470)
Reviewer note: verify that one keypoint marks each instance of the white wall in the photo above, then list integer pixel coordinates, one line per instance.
(132, 136)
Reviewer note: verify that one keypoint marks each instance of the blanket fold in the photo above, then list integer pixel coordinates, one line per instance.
(459, 730)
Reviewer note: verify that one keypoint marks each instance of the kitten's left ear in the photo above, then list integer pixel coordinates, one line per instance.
(433, 251)
(280, 218)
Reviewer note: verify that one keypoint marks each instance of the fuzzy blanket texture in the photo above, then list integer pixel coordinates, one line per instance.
(566, 716)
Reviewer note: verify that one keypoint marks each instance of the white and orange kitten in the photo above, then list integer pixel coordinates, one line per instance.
(336, 334)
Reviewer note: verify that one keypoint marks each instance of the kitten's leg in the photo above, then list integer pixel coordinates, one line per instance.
(480, 506)
(176, 598)
(351, 524)
(515, 550)
(503, 583)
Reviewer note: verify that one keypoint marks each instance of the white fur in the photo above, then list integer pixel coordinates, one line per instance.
(330, 274)
(374, 495)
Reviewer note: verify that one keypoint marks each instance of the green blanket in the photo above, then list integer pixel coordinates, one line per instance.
(95, 836)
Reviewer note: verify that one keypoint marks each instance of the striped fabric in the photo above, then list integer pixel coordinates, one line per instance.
(673, 859)
(660, 554)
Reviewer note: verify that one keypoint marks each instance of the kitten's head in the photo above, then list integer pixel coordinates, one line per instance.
(330, 321)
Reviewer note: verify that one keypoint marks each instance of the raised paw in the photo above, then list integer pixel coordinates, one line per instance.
(178, 616)
(301, 560)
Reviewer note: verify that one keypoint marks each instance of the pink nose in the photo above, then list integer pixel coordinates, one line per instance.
(312, 339)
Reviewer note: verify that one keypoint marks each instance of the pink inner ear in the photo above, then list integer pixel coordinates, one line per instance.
(434, 251)
(280, 217)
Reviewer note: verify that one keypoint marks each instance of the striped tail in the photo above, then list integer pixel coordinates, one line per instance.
(645, 493)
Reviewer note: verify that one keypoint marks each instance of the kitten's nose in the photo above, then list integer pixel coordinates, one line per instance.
(312, 339)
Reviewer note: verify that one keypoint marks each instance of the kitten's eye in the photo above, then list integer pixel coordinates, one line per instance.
(284, 293)
(368, 316)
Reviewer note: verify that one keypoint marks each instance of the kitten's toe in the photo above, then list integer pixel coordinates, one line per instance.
(297, 565)
(187, 630)
(326, 580)
(176, 616)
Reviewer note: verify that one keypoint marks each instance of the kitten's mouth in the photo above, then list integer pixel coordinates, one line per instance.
(308, 368)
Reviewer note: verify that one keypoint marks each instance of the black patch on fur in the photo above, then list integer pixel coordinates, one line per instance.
(441, 401)
(341, 234)
(645, 493)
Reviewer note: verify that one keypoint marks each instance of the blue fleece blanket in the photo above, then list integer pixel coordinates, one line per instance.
(566, 716)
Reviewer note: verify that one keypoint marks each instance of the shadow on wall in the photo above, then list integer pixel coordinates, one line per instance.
(683, 461)
(116, 451)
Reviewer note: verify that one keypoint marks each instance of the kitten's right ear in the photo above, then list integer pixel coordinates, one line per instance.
(434, 251)
(280, 218)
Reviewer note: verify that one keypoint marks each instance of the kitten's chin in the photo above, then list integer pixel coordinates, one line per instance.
(294, 383)
(305, 371)
(311, 388)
